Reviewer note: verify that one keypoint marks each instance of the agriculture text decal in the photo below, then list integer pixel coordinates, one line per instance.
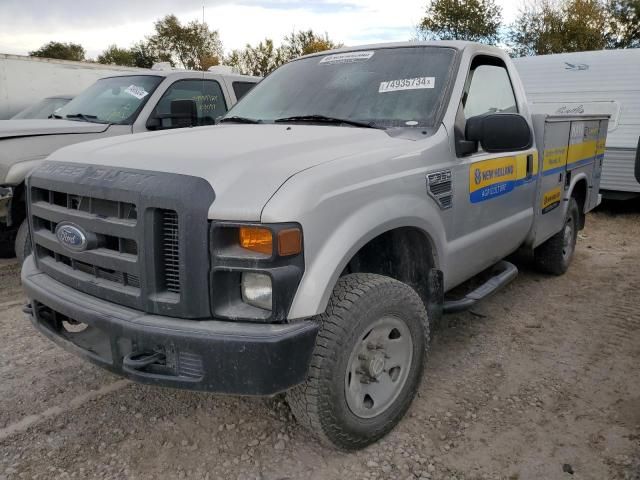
(491, 178)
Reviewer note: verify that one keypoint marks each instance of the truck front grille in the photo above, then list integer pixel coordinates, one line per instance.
(124, 238)
(113, 267)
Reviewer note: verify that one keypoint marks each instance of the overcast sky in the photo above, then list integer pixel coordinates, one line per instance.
(27, 24)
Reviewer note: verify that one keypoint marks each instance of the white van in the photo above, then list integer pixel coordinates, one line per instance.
(600, 82)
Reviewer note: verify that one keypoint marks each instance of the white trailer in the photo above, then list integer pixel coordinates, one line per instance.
(27, 80)
(599, 82)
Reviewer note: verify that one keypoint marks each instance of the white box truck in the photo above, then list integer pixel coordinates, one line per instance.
(599, 82)
(27, 80)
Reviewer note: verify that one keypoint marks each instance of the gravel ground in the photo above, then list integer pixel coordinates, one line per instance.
(542, 381)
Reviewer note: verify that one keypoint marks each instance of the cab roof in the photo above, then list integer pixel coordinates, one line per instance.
(177, 74)
(455, 44)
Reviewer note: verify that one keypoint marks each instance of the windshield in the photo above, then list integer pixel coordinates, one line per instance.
(111, 100)
(43, 109)
(390, 87)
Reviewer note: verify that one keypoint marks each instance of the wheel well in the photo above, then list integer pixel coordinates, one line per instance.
(405, 254)
(580, 194)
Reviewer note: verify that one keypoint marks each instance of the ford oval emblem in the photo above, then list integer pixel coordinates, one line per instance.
(72, 237)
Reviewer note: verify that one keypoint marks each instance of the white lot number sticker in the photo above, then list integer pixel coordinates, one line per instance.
(417, 83)
(137, 92)
(350, 57)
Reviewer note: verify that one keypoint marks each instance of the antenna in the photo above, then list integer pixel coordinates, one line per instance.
(203, 33)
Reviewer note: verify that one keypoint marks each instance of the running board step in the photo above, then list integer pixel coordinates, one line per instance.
(503, 274)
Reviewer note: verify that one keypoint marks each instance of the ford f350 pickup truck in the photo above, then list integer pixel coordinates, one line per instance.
(305, 245)
(118, 105)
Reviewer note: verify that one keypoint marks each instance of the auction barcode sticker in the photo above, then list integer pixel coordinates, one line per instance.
(417, 83)
(136, 91)
(350, 57)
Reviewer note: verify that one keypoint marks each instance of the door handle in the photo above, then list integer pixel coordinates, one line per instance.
(529, 165)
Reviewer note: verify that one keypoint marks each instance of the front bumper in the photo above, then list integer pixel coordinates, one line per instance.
(216, 356)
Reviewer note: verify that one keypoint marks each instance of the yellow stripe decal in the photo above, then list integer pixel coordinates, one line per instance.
(499, 176)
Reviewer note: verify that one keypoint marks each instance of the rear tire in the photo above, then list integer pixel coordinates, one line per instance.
(554, 256)
(367, 363)
(23, 242)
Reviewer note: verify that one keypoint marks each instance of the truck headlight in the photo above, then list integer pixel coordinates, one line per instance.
(257, 290)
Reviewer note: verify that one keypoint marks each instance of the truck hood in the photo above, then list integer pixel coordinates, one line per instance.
(245, 164)
(26, 128)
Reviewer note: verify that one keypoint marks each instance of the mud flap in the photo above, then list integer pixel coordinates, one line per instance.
(435, 296)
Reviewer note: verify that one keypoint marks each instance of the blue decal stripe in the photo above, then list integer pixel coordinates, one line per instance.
(492, 191)
(553, 171)
(580, 163)
(524, 181)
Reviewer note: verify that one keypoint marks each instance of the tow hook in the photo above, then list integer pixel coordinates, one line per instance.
(139, 360)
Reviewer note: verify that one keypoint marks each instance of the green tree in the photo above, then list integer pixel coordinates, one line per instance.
(193, 46)
(259, 60)
(306, 42)
(266, 57)
(547, 27)
(474, 20)
(117, 56)
(624, 24)
(62, 51)
(144, 55)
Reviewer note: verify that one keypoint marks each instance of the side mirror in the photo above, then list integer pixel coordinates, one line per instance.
(154, 123)
(183, 113)
(499, 132)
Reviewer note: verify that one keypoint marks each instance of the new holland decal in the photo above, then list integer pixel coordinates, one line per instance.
(551, 200)
(492, 178)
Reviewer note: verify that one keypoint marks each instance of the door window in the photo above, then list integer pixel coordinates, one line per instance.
(489, 91)
(242, 88)
(207, 95)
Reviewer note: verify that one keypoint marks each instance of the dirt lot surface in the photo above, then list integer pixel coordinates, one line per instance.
(541, 381)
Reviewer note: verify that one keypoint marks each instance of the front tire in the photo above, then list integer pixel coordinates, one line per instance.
(367, 363)
(23, 242)
(554, 256)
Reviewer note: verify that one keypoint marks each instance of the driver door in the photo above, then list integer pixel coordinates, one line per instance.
(496, 190)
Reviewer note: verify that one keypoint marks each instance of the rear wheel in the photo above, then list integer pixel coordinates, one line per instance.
(367, 363)
(554, 256)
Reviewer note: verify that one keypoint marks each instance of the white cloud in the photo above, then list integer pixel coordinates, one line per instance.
(349, 21)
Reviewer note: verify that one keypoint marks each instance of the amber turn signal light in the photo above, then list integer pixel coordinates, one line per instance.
(289, 242)
(257, 239)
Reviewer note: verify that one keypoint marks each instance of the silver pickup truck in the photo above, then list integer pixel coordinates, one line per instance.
(117, 105)
(309, 242)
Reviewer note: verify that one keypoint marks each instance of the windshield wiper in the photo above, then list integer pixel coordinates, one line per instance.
(53, 115)
(85, 118)
(325, 119)
(240, 120)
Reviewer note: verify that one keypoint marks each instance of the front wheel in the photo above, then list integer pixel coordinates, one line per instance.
(23, 242)
(367, 363)
(554, 256)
